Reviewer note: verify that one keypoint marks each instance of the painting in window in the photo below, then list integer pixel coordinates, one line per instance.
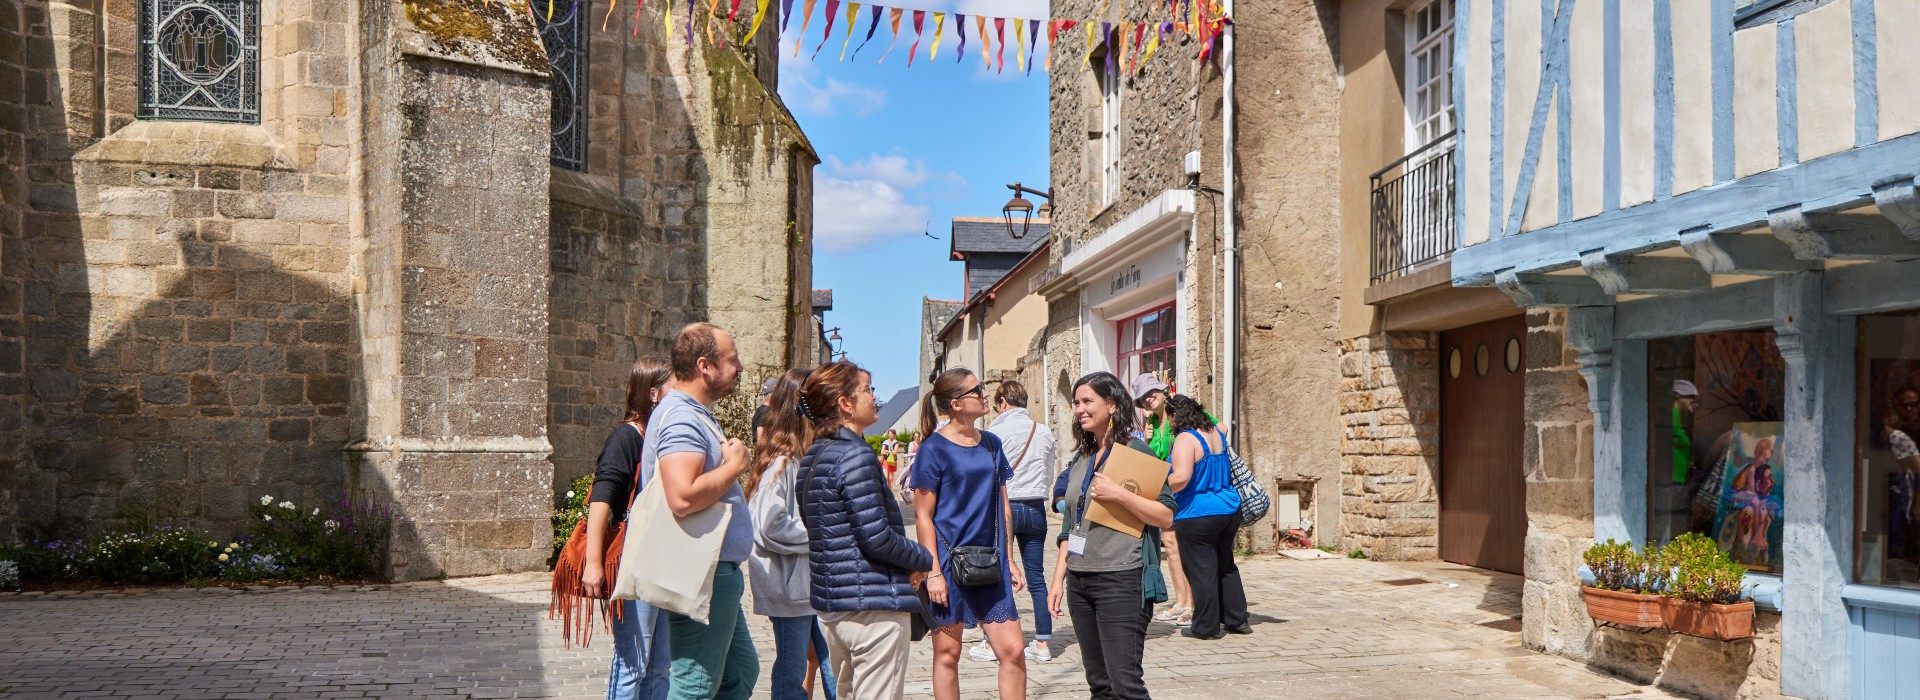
(200, 60)
(1889, 461)
(1715, 404)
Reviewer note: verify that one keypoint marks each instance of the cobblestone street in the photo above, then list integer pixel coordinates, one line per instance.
(1324, 629)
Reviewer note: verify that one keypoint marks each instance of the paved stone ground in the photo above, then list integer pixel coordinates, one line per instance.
(1324, 629)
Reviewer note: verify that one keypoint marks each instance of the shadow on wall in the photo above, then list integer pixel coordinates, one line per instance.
(1703, 668)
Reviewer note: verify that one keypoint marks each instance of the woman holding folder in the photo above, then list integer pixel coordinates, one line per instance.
(1108, 577)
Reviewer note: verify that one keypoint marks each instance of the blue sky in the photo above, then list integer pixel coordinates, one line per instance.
(903, 151)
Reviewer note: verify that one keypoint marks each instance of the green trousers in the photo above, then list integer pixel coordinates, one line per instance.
(715, 660)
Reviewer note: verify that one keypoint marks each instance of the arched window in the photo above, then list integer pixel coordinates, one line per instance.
(200, 60)
(565, 38)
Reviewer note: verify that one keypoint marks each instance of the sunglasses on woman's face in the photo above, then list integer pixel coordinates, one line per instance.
(979, 390)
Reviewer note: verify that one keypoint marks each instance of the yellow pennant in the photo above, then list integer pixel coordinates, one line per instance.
(1152, 45)
(759, 15)
(852, 8)
(986, 41)
(668, 18)
(1020, 35)
(939, 30)
(1088, 59)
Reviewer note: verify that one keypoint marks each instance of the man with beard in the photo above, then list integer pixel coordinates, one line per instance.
(700, 468)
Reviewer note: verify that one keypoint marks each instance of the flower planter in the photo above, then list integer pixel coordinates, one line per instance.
(1724, 622)
(1622, 608)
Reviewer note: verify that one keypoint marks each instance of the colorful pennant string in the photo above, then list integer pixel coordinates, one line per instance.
(919, 23)
(872, 24)
(806, 20)
(853, 17)
(939, 30)
(1000, 37)
(960, 23)
(833, 12)
(1020, 35)
(759, 15)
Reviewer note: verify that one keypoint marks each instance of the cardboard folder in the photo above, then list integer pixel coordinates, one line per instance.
(1134, 471)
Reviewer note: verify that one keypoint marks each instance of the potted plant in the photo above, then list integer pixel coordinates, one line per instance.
(1704, 600)
(1620, 593)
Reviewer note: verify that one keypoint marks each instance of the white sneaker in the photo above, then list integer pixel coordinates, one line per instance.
(1039, 655)
(982, 652)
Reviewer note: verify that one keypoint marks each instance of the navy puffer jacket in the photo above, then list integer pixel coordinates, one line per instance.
(859, 555)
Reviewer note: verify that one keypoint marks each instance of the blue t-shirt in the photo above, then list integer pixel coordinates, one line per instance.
(681, 424)
(1210, 491)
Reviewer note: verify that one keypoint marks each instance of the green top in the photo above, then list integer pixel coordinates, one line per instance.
(1682, 448)
(1162, 439)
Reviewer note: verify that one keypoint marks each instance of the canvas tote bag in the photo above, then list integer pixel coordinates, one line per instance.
(674, 558)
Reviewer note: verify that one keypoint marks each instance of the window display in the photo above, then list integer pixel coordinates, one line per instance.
(1715, 403)
(1147, 346)
(1889, 463)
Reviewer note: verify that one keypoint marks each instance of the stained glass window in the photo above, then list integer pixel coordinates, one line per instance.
(565, 38)
(200, 60)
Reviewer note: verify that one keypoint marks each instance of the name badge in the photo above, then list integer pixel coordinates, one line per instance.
(1076, 544)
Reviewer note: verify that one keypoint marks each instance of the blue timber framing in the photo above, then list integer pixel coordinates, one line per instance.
(1787, 101)
(1819, 352)
(1553, 78)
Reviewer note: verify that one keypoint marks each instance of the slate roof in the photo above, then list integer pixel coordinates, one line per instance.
(984, 234)
(822, 300)
(893, 409)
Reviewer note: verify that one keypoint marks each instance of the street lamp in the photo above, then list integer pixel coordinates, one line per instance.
(1020, 205)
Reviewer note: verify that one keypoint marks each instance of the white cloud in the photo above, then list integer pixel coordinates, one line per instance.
(850, 213)
(895, 170)
(805, 90)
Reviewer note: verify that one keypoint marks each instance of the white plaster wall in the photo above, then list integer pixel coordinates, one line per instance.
(1478, 141)
(1756, 106)
(1823, 66)
(1523, 84)
(1543, 202)
(1636, 102)
(1589, 89)
(1692, 95)
(1897, 21)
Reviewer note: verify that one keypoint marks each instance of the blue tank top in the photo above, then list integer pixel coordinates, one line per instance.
(1210, 491)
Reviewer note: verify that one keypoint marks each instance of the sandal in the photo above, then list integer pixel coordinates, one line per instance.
(1185, 619)
(1169, 614)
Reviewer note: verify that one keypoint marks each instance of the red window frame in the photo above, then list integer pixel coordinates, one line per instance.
(1159, 357)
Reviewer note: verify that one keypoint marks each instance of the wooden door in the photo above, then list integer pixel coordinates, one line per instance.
(1483, 490)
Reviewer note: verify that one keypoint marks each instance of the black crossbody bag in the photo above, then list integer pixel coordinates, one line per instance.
(975, 565)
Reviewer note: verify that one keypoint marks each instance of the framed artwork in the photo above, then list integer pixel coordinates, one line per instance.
(1748, 522)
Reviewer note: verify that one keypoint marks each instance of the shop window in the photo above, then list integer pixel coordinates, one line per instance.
(1715, 406)
(200, 60)
(1147, 345)
(1889, 461)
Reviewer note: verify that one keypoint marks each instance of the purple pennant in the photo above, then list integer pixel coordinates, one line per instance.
(1033, 42)
(690, 4)
(961, 20)
(873, 24)
(786, 13)
(1106, 37)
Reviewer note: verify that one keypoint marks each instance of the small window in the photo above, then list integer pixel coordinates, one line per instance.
(1109, 133)
(565, 39)
(1148, 343)
(1715, 406)
(200, 60)
(1889, 461)
(1429, 67)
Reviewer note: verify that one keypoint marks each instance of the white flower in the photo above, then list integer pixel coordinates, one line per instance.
(266, 500)
(268, 518)
(332, 525)
(223, 557)
(233, 545)
(569, 494)
(316, 512)
(287, 505)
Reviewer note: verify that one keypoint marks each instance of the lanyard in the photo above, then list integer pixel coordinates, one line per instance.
(1086, 489)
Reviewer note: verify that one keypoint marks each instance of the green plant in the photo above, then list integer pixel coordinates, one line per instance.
(1330, 549)
(573, 507)
(344, 539)
(1615, 565)
(1702, 573)
(1357, 554)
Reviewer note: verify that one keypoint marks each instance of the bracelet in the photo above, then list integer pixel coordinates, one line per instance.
(933, 576)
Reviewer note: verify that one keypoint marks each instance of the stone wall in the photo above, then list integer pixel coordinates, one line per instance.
(14, 70)
(1390, 450)
(1559, 470)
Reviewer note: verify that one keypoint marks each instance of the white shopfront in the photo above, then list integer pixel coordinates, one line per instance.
(1135, 306)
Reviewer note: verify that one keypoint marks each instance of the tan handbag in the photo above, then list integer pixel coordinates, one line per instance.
(677, 555)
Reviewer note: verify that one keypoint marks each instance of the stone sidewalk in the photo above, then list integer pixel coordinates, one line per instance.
(1324, 629)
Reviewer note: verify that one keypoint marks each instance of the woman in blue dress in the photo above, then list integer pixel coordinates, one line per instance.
(960, 500)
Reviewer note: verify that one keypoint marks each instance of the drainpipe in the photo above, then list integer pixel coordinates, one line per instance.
(1231, 290)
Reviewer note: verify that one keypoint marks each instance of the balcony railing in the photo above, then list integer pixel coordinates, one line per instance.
(1413, 210)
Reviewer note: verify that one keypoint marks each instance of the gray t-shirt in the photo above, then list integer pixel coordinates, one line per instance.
(1107, 549)
(681, 424)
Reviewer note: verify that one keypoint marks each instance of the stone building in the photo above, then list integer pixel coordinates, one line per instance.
(1198, 238)
(1002, 321)
(1709, 212)
(406, 250)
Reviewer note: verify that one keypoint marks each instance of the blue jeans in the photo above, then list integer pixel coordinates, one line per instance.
(792, 637)
(715, 660)
(1030, 531)
(639, 633)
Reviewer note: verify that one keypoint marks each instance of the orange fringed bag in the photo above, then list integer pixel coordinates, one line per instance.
(570, 601)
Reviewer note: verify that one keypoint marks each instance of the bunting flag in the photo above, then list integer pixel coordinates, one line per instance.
(712, 8)
(1000, 37)
(690, 8)
(872, 24)
(636, 16)
(1020, 56)
(853, 17)
(1113, 52)
(919, 23)
(1138, 30)
(1088, 59)
(1032, 43)
(1160, 32)
(896, 34)
(611, 6)
(986, 42)
(833, 12)
(667, 16)
(1053, 37)
(939, 30)
(758, 15)
(960, 23)
(786, 14)
(806, 20)
(732, 13)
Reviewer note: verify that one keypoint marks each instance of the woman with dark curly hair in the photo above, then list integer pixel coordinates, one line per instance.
(1206, 520)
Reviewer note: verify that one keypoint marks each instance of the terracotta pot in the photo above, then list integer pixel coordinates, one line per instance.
(1725, 622)
(1622, 608)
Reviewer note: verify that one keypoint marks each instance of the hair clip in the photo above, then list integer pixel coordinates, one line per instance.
(803, 409)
